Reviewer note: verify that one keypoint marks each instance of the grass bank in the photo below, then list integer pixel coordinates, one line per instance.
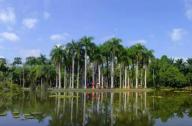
(115, 89)
(100, 90)
(95, 90)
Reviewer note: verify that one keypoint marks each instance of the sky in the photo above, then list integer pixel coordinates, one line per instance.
(32, 27)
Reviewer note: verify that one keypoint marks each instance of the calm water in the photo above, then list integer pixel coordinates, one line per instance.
(96, 109)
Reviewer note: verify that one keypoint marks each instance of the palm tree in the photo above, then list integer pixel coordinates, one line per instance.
(124, 61)
(79, 52)
(72, 47)
(65, 62)
(147, 55)
(86, 43)
(17, 61)
(39, 73)
(105, 58)
(96, 59)
(56, 57)
(103, 64)
(137, 52)
(42, 60)
(114, 47)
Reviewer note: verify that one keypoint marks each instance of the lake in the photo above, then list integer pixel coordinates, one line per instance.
(160, 108)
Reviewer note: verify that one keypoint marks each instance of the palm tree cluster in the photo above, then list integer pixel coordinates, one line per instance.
(83, 64)
(110, 65)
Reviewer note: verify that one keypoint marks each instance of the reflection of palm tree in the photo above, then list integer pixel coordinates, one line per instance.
(84, 105)
(72, 108)
(136, 103)
(77, 104)
(145, 100)
(111, 107)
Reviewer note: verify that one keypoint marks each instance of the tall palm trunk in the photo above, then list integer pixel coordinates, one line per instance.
(56, 77)
(99, 71)
(102, 78)
(141, 80)
(108, 72)
(65, 72)
(78, 74)
(73, 64)
(85, 84)
(70, 78)
(120, 73)
(56, 81)
(64, 77)
(102, 81)
(59, 75)
(93, 76)
(145, 77)
(125, 85)
(112, 72)
(128, 86)
(41, 83)
(23, 77)
(136, 74)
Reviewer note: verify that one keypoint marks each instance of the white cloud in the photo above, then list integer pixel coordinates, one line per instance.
(10, 36)
(7, 15)
(188, 9)
(59, 37)
(30, 52)
(30, 22)
(177, 34)
(46, 15)
(2, 57)
(176, 58)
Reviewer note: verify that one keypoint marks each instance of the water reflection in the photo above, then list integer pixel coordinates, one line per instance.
(95, 108)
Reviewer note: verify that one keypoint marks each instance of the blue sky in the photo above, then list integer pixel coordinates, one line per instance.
(35, 26)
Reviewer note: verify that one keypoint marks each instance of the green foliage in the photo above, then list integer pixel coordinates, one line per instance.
(8, 86)
(136, 64)
(172, 77)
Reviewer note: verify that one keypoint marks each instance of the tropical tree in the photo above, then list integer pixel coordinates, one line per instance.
(147, 56)
(42, 60)
(86, 44)
(56, 57)
(3, 69)
(79, 59)
(17, 61)
(96, 59)
(17, 70)
(124, 61)
(136, 52)
(114, 46)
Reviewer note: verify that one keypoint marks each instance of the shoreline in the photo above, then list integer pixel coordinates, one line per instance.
(96, 90)
(111, 90)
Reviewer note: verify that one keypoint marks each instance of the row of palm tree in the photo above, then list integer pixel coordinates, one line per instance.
(85, 64)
